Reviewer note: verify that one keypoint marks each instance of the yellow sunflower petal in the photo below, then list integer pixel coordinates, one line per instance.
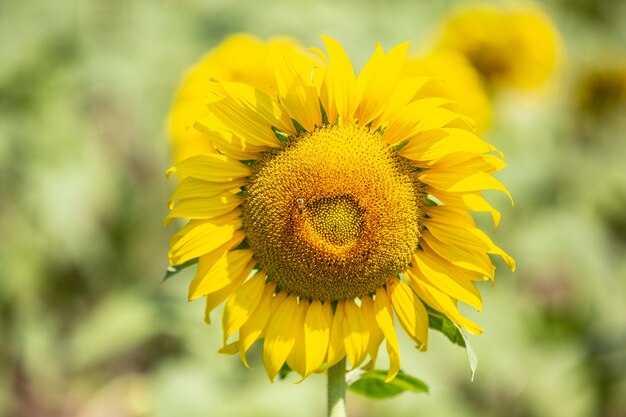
(280, 336)
(252, 329)
(216, 298)
(227, 142)
(468, 201)
(384, 318)
(297, 357)
(225, 270)
(191, 188)
(432, 145)
(241, 304)
(456, 227)
(204, 208)
(268, 110)
(203, 236)
(212, 168)
(462, 181)
(342, 80)
(410, 311)
(248, 113)
(296, 90)
(445, 117)
(407, 91)
(472, 260)
(407, 123)
(440, 301)
(375, 334)
(438, 272)
(355, 334)
(316, 334)
(336, 346)
(378, 80)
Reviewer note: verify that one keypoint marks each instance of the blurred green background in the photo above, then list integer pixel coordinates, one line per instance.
(87, 329)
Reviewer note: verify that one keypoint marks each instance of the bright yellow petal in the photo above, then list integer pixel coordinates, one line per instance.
(439, 273)
(248, 114)
(239, 307)
(252, 330)
(216, 298)
(468, 201)
(204, 208)
(192, 188)
(212, 168)
(354, 334)
(316, 334)
(407, 91)
(378, 80)
(407, 123)
(473, 261)
(262, 106)
(440, 301)
(384, 318)
(296, 90)
(410, 311)
(336, 346)
(460, 180)
(456, 227)
(432, 145)
(375, 334)
(448, 115)
(297, 357)
(200, 237)
(280, 336)
(342, 80)
(225, 270)
(226, 141)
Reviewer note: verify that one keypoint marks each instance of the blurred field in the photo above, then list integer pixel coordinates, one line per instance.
(87, 329)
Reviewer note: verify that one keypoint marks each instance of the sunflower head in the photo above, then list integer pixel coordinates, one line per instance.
(312, 210)
(510, 47)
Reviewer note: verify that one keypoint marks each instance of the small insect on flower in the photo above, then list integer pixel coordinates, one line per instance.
(300, 204)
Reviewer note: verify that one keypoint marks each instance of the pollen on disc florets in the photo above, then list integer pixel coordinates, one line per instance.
(333, 213)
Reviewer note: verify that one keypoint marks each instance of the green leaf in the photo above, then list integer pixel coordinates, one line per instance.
(438, 321)
(173, 270)
(471, 356)
(372, 384)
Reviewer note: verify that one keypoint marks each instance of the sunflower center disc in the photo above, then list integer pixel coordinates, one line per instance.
(333, 222)
(334, 213)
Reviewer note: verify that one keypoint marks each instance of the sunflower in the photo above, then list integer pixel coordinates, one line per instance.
(327, 204)
(510, 47)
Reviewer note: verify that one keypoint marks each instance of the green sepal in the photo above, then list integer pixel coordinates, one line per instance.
(173, 270)
(372, 384)
(284, 371)
(281, 136)
(298, 126)
(401, 145)
(324, 115)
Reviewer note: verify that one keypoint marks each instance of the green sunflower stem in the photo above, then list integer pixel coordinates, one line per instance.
(337, 389)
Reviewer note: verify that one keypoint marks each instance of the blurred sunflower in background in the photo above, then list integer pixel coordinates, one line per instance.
(515, 46)
(321, 203)
(601, 89)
